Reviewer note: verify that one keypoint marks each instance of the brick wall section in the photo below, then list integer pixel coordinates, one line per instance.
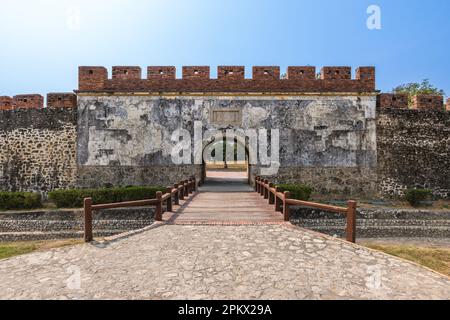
(162, 72)
(413, 149)
(28, 101)
(92, 78)
(336, 73)
(231, 73)
(301, 73)
(428, 102)
(38, 149)
(197, 79)
(6, 103)
(61, 100)
(390, 100)
(266, 73)
(196, 73)
(365, 74)
(447, 106)
(126, 73)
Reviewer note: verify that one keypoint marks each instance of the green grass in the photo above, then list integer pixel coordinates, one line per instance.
(11, 249)
(437, 259)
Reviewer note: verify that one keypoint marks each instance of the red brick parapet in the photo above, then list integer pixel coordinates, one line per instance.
(419, 102)
(36, 101)
(266, 79)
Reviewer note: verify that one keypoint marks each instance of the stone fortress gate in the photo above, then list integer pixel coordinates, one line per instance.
(336, 133)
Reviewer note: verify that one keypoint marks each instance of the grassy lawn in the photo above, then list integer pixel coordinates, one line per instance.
(10, 249)
(437, 259)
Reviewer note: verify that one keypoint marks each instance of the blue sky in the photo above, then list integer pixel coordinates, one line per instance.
(44, 41)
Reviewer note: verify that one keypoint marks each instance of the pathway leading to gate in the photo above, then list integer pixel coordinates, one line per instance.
(175, 261)
(226, 199)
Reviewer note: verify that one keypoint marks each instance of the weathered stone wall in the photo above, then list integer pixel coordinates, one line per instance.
(413, 150)
(327, 141)
(378, 222)
(37, 149)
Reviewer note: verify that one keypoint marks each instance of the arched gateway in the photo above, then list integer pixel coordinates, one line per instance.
(318, 131)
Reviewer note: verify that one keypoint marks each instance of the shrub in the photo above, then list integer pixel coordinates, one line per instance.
(298, 191)
(20, 200)
(415, 196)
(73, 198)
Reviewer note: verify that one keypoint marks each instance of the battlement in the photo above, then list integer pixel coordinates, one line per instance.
(36, 101)
(428, 102)
(61, 100)
(265, 79)
(28, 101)
(419, 102)
(391, 100)
(447, 105)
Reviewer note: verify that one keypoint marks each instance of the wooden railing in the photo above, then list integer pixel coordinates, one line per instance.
(173, 195)
(282, 201)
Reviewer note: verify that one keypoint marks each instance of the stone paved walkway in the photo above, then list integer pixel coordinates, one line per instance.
(215, 262)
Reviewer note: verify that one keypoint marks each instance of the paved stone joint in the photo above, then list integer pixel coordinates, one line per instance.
(195, 262)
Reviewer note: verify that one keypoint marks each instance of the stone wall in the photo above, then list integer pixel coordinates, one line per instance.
(37, 149)
(413, 150)
(327, 141)
(63, 224)
(378, 223)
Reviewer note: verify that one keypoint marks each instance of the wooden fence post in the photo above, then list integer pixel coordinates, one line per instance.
(186, 188)
(88, 234)
(176, 196)
(278, 201)
(351, 221)
(169, 200)
(266, 189)
(257, 184)
(158, 210)
(194, 181)
(287, 195)
(182, 190)
(271, 195)
(261, 187)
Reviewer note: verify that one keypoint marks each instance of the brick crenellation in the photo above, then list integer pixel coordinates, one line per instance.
(265, 79)
(36, 101)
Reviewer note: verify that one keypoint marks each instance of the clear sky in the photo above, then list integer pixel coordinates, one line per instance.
(44, 41)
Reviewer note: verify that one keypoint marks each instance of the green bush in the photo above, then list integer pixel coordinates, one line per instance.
(298, 191)
(415, 196)
(73, 198)
(20, 200)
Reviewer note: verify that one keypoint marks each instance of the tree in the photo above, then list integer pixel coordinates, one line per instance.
(412, 89)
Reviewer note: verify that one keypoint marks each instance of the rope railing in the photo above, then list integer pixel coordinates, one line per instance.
(282, 201)
(173, 195)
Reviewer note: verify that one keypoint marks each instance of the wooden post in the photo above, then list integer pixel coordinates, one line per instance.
(287, 195)
(88, 235)
(176, 196)
(351, 221)
(257, 184)
(158, 210)
(186, 188)
(169, 200)
(271, 195)
(261, 187)
(266, 189)
(182, 190)
(191, 185)
(278, 202)
(194, 180)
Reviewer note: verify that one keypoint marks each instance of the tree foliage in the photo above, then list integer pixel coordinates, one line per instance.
(415, 88)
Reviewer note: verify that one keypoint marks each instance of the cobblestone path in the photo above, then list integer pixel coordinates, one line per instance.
(217, 262)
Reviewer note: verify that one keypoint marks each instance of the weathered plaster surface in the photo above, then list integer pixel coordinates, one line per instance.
(315, 131)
